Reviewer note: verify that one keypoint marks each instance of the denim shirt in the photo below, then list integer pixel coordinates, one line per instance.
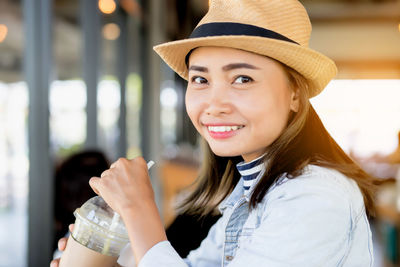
(315, 219)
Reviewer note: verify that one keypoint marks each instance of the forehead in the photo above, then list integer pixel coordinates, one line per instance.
(225, 55)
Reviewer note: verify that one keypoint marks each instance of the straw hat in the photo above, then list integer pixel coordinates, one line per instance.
(279, 29)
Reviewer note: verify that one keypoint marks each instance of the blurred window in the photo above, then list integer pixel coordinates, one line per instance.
(169, 103)
(13, 137)
(67, 116)
(362, 115)
(108, 103)
(68, 91)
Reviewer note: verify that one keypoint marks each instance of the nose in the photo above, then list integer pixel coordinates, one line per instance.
(218, 101)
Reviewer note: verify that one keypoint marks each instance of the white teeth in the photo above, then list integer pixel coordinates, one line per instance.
(223, 128)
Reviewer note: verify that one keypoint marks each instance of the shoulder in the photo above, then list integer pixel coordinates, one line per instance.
(311, 209)
(318, 187)
(317, 178)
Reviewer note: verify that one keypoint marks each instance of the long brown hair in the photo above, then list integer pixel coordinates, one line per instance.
(304, 141)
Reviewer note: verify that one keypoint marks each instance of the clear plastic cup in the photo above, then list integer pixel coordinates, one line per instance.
(98, 237)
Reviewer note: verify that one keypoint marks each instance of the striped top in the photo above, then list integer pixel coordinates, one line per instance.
(249, 172)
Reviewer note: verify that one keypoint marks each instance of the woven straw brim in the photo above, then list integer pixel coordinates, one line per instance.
(318, 69)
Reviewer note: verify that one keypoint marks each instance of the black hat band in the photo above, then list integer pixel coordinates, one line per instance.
(232, 28)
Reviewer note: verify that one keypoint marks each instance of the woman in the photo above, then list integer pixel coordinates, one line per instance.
(288, 194)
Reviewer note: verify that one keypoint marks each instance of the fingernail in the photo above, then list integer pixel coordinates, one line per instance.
(61, 243)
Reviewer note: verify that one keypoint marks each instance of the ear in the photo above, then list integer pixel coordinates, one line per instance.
(295, 100)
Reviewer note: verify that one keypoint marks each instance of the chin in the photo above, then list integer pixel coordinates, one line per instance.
(224, 153)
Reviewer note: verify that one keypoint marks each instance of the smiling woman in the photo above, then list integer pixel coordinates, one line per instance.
(288, 194)
(269, 165)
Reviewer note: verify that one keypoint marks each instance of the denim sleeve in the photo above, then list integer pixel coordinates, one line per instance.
(162, 254)
(207, 255)
(306, 222)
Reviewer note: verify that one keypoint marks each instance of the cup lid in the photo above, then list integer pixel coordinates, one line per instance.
(96, 211)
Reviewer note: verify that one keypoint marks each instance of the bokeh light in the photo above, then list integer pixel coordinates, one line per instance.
(111, 31)
(107, 6)
(3, 32)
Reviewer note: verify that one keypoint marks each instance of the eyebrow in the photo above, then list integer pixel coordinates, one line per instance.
(198, 68)
(239, 66)
(228, 67)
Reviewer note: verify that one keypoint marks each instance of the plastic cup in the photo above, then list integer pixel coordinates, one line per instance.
(98, 237)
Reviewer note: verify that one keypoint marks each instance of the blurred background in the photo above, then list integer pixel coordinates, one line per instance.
(80, 75)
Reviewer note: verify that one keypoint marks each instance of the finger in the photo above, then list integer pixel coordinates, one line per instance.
(54, 263)
(71, 227)
(117, 162)
(62, 243)
(140, 160)
(94, 184)
(103, 174)
(139, 163)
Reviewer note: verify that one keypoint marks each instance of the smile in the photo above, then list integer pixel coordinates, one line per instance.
(221, 129)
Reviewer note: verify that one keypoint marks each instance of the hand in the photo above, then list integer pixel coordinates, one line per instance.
(125, 186)
(127, 190)
(62, 244)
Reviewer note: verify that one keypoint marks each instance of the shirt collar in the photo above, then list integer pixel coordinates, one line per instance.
(239, 192)
(245, 168)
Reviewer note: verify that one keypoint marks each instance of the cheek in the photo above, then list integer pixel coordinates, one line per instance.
(270, 117)
(193, 108)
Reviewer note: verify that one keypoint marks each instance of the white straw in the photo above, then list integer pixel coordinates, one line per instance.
(150, 164)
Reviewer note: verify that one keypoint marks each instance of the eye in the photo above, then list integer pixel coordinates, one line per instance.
(198, 80)
(243, 79)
